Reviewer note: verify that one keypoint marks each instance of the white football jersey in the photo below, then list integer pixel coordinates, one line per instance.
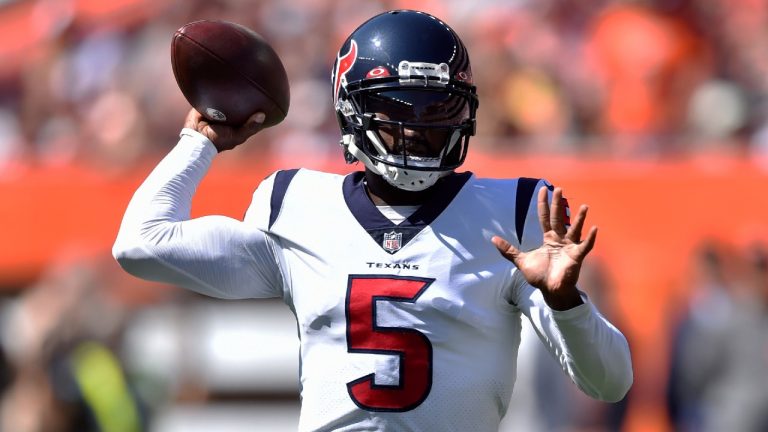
(407, 327)
(406, 321)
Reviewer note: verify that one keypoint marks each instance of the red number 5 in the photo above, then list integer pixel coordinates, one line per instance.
(364, 335)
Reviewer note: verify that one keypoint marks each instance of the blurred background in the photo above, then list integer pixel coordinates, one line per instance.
(654, 112)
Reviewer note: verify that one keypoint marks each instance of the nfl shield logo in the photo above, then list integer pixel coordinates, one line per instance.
(392, 241)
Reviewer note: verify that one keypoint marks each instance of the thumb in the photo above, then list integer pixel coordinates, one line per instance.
(254, 124)
(256, 120)
(238, 135)
(251, 126)
(506, 249)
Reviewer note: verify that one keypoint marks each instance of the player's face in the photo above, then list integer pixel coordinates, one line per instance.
(417, 122)
(412, 141)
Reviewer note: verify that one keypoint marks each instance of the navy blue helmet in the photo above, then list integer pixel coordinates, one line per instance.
(404, 98)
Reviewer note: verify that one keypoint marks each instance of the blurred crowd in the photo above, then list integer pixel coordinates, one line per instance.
(594, 78)
(617, 79)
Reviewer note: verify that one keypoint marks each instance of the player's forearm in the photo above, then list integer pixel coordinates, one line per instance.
(166, 194)
(599, 360)
(161, 203)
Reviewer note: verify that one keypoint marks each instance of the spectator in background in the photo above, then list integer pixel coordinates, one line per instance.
(746, 351)
(719, 371)
(701, 325)
(61, 340)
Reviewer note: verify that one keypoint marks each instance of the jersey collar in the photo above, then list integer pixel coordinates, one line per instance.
(377, 225)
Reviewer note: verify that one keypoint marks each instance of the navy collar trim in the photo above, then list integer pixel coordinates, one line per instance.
(377, 225)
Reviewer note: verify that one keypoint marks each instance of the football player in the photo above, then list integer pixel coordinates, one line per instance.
(408, 279)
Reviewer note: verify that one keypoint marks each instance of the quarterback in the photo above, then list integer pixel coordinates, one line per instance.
(408, 279)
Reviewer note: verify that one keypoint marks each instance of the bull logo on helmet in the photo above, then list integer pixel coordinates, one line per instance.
(344, 64)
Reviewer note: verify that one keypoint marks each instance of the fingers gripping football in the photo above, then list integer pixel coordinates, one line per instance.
(224, 137)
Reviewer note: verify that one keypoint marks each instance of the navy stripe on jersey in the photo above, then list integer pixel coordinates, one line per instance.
(282, 180)
(377, 225)
(525, 189)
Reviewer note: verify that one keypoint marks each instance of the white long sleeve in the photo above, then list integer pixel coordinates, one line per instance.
(213, 255)
(590, 350)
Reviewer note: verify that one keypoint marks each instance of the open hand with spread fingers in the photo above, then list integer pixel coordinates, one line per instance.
(554, 267)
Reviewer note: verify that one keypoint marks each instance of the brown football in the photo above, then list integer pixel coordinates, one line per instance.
(228, 72)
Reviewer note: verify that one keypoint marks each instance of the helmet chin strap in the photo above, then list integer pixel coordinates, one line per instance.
(401, 178)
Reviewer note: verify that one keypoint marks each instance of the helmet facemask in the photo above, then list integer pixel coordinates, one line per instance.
(411, 130)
